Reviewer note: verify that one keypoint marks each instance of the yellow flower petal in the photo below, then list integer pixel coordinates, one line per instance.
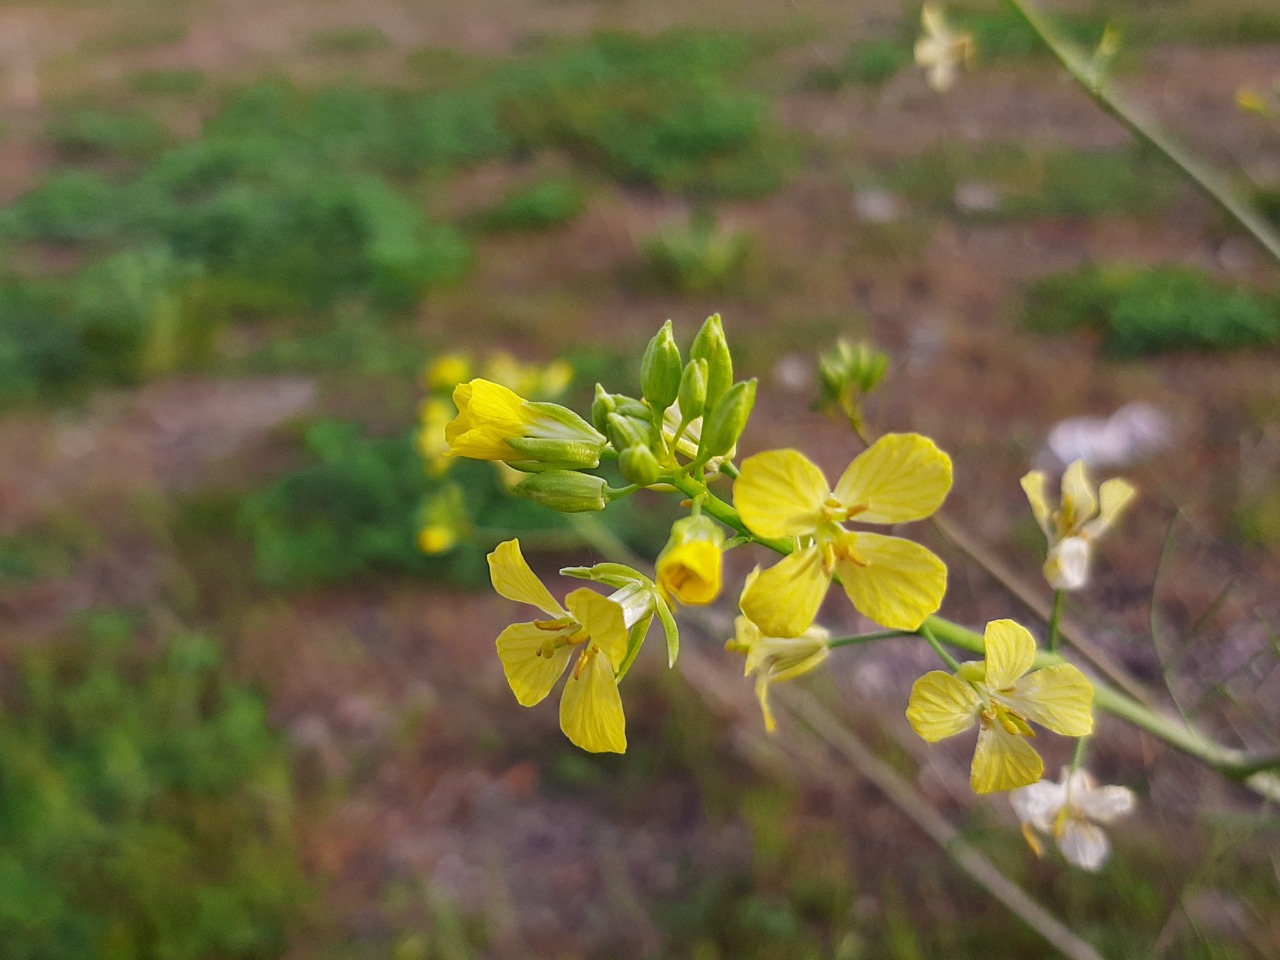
(1078, 501)
(1011, 650)
(784, 599)
(513, 579)
(1114, 495)
(531, 676)
(1033, 485)
(901, 585)
(603, 620)
(1058, 697)
(488, 414)
(591, 709)
(762, 694)
(690, 572)
(1003, 761)
(899, 478)
(780, 493)
(941, 706)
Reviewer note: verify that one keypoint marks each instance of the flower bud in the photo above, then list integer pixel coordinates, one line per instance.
(565, 490)
(660, 369)
(692, 395)
(710, 345)
(495, 423)
(604, 404)
(639, 465)
(722, 428)
(624, 432)
(689, 566)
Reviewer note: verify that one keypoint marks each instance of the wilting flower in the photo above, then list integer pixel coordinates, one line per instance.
(1001, 697)
(774, 659)
(942, 49)
(1072, 811)
(496, 423)
(689, 566)
(535, 654)
(782, 494)
(1080, 519)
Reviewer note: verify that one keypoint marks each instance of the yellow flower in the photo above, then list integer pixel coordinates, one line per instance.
(689, 566)
(774, 659)
(941, 49)
(535, 654)
(496, 423)
(434, 415)
(446, 371)
(782, 494)
(1080, 519)
(444, 520)
(1001, 697)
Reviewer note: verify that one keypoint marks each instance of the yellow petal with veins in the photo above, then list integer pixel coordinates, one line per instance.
(1003, 761)
(530, 676)
(784, 599)
(1011, 650)
(1033, 485)
(780, 493)
(1058, 697)
(1114, 495)
(514, 580)
(901, 584)
(1079, 503)
(603, 620)
(941, 706)
(899, 478)
(591, 709)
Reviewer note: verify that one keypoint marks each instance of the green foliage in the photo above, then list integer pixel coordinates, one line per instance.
(176, 82)
(701, 258)
(145, 805)
(1002, 34)
(99, 135)
(547, 204)
(348, 40)
(873, 62)
(1141, 311)
(1039, 182)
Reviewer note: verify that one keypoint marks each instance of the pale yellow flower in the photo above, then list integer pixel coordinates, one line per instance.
(1001, 697)
(782, 494)
(1072, 811)
(535, 654)
(941, 49)
(1081, 517)
(689, 566)
(775, 659)
(446, 371)
(434, 416)
(496, 423)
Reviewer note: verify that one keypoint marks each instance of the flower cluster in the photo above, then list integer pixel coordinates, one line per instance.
(681, 435)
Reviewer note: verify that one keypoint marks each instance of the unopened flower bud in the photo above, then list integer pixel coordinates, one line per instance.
(710, 345)
(692, 396)
(724, 425)
(565, 490)
(639, 465)
(494, 423)
(604, 404)
(624, 432)
(660, 369)
(689, 566)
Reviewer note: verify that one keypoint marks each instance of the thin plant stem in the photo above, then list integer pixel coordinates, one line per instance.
(1090, 73)
(938, 648)
(863, 638)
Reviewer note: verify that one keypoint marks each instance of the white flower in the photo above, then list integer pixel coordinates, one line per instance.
(941, 49)
(1071, 811)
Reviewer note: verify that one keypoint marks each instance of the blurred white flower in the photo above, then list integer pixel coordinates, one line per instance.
(941, 49)
(1072, 811)
(1134, 431)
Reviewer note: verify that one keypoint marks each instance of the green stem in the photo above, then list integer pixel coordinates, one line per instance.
(862, 638)
(1090, 74)
(939, 649)
(1055, 619)
(1257, 773)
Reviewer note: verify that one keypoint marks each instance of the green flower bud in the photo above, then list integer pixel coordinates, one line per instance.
(624, 432)
(724, 425)
(710, 345)
(660, 369)
(639, 465)
(565, 490)
(604, 404)
(692, 396)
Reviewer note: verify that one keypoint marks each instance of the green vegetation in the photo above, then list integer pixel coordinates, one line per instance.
(87, 135)
(1032, 182)
(544, 205)
(699, 258)
(175, 82)
(1002, 34)
(1142, 311)
(145, 806)
(348, 40)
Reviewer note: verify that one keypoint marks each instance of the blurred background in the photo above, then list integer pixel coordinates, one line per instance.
(244, 715)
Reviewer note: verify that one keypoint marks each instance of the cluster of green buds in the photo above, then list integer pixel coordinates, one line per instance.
(847, 373)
